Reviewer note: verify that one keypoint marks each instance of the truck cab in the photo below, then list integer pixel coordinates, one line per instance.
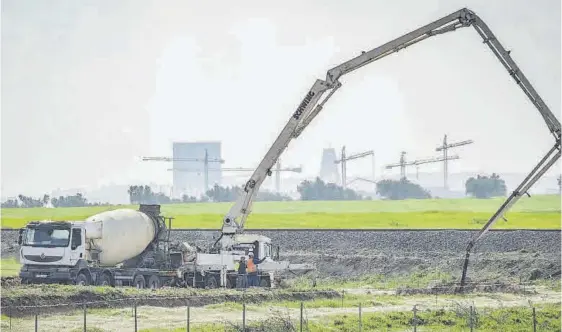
(49, 249)
(258, 244)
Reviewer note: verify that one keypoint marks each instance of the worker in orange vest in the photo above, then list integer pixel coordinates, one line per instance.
(252, 270)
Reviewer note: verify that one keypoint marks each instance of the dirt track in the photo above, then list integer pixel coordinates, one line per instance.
(167, 318)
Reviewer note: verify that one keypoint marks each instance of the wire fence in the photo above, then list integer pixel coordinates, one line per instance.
(356, 313)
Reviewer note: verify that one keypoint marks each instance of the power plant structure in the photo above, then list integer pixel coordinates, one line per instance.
(403, 163)
(445, 148)
(192, 155)
(328, 168)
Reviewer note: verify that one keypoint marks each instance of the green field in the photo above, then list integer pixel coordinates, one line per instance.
(9, 267)
(536, 212)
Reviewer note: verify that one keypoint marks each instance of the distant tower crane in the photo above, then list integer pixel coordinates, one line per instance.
(445, 148)
(277, 172)
(206, 160)
(416, 163)
(365, 180)
(344, 159)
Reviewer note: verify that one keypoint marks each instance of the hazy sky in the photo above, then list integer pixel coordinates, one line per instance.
(90, 86)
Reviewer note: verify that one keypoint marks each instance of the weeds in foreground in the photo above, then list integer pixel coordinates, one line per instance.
(456, 318)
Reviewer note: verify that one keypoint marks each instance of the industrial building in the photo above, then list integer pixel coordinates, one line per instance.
(328, 168)
(189, 166)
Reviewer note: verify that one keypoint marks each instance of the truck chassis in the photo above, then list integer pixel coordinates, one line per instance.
(100, 276)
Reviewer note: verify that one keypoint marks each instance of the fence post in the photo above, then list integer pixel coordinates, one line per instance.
(360, 323)
(187, 327)
(84, 316)
(415, 321)
(135, 310)
(470, 320)
(342, 296)
(244, 317)
(302, 309)
(534, 320)
(36, 323)
(10, 316)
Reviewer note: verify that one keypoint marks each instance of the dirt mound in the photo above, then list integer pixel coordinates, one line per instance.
(524, 266)
(36, 299)
(454, 288)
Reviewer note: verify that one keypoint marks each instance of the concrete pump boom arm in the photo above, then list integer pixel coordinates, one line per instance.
(311, 105)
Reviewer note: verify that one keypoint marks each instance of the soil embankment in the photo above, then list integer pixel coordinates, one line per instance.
(36, 299)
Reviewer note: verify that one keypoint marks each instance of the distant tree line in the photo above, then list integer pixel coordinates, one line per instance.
(480, 186)
(401, 189)
(318, 190)
(22, 201)
(145, 195)
(483, 186)
(230, 194)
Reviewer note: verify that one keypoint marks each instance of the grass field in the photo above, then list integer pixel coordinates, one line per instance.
(9, 267)
(536, 212)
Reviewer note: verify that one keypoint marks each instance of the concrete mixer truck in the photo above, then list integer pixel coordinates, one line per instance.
(126, 247)
(122, 247)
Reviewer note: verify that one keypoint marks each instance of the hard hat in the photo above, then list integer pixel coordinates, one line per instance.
(251, 254)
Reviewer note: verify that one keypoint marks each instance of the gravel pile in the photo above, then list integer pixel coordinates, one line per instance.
(335, 242)
(356, 242)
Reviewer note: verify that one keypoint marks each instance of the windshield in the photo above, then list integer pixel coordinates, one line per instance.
(46, 237)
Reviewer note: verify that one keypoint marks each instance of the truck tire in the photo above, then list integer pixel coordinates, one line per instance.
(264, 282)
(105, 280)
(230, 282)
(139, 281)
(188, 280)
(154, 282)
(211, 281)
(82, 280)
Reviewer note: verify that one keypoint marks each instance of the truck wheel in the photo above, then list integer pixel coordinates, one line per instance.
(82, 280)
(139, 281)
(154, 282)
(105, 280)
(211, 282)
(264, 282)
(188, 280)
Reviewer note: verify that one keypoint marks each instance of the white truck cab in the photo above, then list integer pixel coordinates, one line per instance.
(49, 249)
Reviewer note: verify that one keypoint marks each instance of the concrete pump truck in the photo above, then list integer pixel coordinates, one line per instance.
(214, 267)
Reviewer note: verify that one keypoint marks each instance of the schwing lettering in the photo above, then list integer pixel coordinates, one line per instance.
(303, 105)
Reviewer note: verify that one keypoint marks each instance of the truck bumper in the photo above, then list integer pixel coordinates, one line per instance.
(47, 275)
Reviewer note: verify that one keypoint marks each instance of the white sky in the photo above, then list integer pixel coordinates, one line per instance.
(90, 86)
